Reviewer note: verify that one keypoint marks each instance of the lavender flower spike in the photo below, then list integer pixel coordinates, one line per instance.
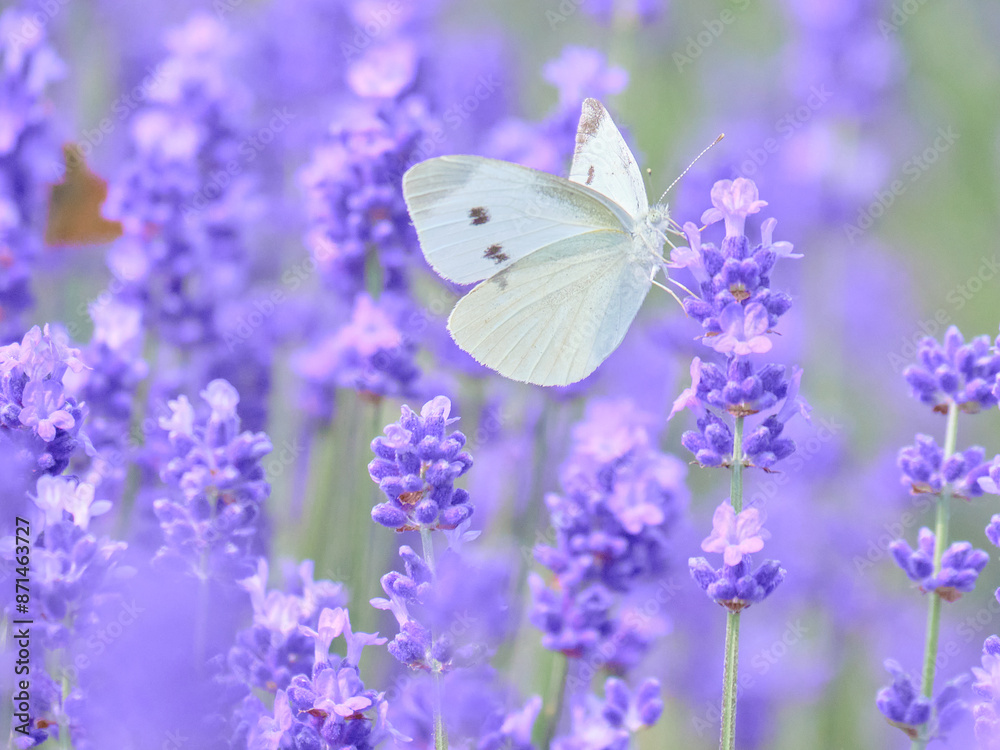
(416, 466)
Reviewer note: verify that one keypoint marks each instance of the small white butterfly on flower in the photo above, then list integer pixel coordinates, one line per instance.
(565, 264)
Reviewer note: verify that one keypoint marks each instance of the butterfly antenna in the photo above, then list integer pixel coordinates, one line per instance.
(648, 179)
(721, 136)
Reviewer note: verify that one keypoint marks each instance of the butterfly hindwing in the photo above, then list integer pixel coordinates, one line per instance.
(556, 314)
(476, 217)
(602, 161)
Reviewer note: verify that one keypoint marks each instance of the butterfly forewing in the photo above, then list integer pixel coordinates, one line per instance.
(476, 217)
(602, 161)
(555, 315)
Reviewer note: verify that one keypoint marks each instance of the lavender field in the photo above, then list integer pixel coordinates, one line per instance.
(255, 493)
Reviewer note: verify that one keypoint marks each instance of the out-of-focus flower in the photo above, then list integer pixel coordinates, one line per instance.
(621, 498)
(28, 156)
(611, 723)
(987, 685)
(917, 716)
(212, 520)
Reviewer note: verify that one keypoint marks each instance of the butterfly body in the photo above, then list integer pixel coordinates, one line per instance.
(564, 264)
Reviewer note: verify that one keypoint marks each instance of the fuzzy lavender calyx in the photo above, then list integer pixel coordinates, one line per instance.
(416, 466)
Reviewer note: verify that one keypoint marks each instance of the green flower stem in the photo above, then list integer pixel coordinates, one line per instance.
(736, 487)
(557, 694)
(940, 542)
(440, 737)
(728, 741)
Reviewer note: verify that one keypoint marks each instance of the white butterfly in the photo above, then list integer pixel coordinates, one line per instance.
(566, 263)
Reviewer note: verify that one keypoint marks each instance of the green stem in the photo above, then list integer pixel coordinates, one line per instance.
(557, 693)
(440, 737)
(736, 488)
(940, 542)
(730, 671)
(728, 741)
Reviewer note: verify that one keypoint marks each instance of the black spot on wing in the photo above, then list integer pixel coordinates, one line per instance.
(500, 279)
(493, 252)
(590, 175)
(479, 215)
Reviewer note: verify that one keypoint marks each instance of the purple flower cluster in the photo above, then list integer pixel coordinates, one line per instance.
(40, 425)
(621, 498)
(331, 707)
(416, 466)
(276, 646)
(737, 308)
(71, 565)
(450, 619)
(75, 579)
(987, 686)
(212, 521)
(953, 378)
(925, 469)
(353, 194)
(736, 585)
(185, 198)
(115, 369)
(28, 158)
(599, 725)
(955, 371)
(905, 708)
(959, 569)
(369, 354)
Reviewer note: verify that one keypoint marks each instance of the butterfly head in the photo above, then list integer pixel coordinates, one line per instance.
(658, 217)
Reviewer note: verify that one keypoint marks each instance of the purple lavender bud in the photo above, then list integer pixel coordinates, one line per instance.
(993, 530)
(991, 483)
(901, 702)
(917, 564)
